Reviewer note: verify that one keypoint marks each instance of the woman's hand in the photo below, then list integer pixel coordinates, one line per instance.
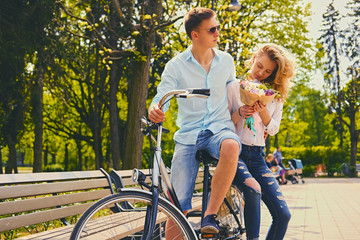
(246, 111)
(259, 107)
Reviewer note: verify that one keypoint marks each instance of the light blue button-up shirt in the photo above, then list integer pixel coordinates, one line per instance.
(196, 114)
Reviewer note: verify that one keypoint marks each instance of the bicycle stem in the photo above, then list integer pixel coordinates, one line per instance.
(157, 159)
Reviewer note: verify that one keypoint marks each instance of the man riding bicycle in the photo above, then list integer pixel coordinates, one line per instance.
(204, 124)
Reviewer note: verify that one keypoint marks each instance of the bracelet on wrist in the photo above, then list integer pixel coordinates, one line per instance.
(239, 112)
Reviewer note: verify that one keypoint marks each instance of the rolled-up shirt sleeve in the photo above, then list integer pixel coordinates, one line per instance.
(168, 83)
(273, 127)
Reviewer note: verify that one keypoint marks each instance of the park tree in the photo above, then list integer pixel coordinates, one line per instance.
(261, 22)
(12, 95)
(305, 119)
(330, 40)
(23, 29)
(351, 92)
(125, 47)
(98, 61)
(351, 106)
(42, 53)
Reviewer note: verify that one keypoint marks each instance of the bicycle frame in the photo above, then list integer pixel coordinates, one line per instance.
(159, 170)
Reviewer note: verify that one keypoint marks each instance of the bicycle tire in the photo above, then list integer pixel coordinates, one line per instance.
(111, 224)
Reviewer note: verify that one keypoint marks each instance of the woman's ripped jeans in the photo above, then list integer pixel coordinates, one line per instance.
(252, 165)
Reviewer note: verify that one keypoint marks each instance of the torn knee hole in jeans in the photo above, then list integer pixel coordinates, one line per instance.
(252, 189)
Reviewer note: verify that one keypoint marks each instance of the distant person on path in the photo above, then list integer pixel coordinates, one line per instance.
(275, 168)
(270, 64)
(278, 157)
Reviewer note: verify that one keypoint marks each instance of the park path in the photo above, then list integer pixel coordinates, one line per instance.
(322, 208)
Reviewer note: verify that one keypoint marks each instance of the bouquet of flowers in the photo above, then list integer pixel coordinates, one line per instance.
(252, 91)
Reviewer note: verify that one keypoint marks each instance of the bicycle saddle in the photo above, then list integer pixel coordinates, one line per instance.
(204, 157)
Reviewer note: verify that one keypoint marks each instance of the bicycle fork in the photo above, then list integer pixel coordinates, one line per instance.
(151, 214)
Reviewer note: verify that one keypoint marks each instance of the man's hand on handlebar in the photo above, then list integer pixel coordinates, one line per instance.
(156, 114)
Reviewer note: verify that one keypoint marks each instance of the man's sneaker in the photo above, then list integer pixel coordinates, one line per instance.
(210, 225)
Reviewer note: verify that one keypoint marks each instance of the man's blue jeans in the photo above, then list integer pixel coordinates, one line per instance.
(184, 168)
(252, 164)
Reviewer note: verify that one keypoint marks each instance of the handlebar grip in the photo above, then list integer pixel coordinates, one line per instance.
(201, 91)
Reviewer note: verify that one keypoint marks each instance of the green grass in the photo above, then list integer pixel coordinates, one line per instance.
(22, 169)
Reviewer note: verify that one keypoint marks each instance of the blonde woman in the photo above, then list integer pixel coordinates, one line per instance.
(272, 65)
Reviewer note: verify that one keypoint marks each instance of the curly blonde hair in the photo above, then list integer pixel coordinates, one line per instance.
(285, 67)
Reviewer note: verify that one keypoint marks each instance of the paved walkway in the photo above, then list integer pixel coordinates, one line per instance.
(322, 208)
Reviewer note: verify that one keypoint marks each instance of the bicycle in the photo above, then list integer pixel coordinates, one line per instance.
(141, 214)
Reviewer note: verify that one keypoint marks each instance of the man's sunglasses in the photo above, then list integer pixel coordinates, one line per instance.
(213, 29)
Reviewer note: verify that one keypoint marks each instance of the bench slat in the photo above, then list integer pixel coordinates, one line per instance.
(54, 234)
(7, 179)
(50, 201)
(40, 217)
(48, 188)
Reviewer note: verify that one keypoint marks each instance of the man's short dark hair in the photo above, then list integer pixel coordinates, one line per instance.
(195, 17)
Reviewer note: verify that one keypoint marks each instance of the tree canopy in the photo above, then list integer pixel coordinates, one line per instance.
(76, 76)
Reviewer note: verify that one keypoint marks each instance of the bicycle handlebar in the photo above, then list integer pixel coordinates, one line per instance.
(190, 92)
(201, 91)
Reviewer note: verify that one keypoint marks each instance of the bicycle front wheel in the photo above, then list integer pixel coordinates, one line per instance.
(122, 216)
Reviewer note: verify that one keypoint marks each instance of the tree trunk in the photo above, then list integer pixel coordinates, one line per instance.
(37, 114)
(267, 145)
(114, 112)
(138, 89)
(108, 163)
(86, 163)
(276, 141)
(66, 160)
(318, 124)
(46, 152)
(12, 164)
(1, 163)
(96, 128)
(137, 108)
(338, 93)
(114, 125)
(53, 158)
(354, 133)
(341, 127)
(354, 141)
(78, 145)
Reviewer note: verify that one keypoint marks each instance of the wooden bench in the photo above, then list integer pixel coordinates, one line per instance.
(41, 198)
(34, 202)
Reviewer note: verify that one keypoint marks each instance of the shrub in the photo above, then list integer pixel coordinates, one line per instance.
(309, 171)
(312, 156)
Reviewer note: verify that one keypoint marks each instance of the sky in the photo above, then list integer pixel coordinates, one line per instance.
(315, 25)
